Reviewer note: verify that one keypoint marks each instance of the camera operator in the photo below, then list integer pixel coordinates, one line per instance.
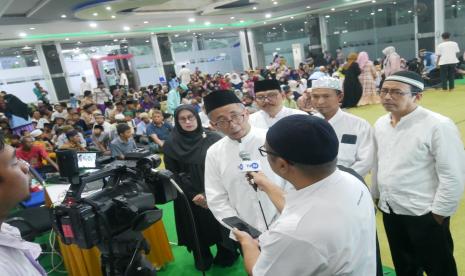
(124, 143)
(327, 225)
(17, 257)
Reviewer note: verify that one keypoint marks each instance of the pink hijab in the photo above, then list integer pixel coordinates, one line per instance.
(362, 59)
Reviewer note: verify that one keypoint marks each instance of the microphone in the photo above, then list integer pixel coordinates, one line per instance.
(247, 165)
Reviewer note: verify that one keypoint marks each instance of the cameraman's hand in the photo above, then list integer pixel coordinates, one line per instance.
(200, 200)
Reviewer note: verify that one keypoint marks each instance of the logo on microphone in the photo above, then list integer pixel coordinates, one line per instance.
(250, 166)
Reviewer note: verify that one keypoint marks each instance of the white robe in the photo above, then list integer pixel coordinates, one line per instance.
(227, 190)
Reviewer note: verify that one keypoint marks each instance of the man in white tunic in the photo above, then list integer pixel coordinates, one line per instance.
(185, 75)
(269, 100)
(226, 187)
(17, 257)
(418, 178)
(355, 135)
(327, 225)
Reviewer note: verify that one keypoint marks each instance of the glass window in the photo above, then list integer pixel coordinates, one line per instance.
(455, 21)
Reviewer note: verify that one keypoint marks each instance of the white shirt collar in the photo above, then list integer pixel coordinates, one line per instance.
(336, 117)
(293, 196)
(407, 118)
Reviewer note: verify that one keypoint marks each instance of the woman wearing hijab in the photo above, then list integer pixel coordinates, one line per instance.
(185, 152)
(352, 86)
(391, 62)
(367, 79)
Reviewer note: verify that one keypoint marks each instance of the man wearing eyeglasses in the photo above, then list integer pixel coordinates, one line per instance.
(327, 224)
(269, 100)
(227, 190)
(355, 135)
(418, 178)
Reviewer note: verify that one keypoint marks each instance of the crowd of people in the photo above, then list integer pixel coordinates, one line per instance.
(294, 122)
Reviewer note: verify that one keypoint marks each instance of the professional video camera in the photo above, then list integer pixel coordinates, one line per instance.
(112, 217)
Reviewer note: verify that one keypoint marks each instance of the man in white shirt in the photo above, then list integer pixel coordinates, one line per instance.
(355, 135)
(60, 111)
(446, 53)
(270, 102)
(226, 187)
(123, 80)
(17, 257)
(418, 178)
(85, 86)
(185, 75)
(327, 225)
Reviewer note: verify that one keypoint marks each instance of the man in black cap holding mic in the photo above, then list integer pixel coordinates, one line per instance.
(418, 178)
(327, 225)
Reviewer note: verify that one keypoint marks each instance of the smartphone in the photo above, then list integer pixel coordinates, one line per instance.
(235, 222)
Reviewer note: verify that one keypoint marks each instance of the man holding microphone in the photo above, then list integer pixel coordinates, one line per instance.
(327, 225)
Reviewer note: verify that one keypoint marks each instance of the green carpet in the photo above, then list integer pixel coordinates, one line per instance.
(448, 104)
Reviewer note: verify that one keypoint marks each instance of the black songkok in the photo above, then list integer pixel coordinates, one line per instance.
(218, 99)
(265, 85)
(303, 139)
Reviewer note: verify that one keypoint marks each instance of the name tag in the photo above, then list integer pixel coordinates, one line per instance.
(250, 166)
(349, 139)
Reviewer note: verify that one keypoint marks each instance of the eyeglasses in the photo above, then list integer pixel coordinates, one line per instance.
(394, 93)
(236, 119)
(270, 96)
(189, 118)
(264, 152)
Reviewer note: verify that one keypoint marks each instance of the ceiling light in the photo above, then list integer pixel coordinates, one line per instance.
(241, 21)
(32, 28)
(79, 42)
(268, 15)
(254, 8)
(373, 1)
(113, 16)
(67, 38)
(108, 8)
(146, 22)
(115, 40)
(292, 17)
(93, 25)
(305, 22)
(176, 35)
(22, 34)
(18, 56)
(409, 11)
(274, 28)
(232, 17)
(147, 41)
(278, 49)
(95, 14)
(327, 16)
(169, 26)
(63, 16)
(221, 28)
(191, 20)
(35, 60)
(372, 13)
(152, 33)
(380, 10)
(264, 22)
(308, 7)
(207, 23)
(126, 28)
(333, 9)
(275, 3)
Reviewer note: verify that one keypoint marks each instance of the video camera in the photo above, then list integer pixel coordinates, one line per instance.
(112, 217)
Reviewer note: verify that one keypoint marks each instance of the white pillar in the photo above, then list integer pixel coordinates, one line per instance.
(439, 20)
(323, 33)
(47, 77)
(415, 26)
(63, 65)
(157, 55)
(248, 51)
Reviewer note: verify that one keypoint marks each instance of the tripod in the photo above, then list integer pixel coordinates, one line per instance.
(121, 256)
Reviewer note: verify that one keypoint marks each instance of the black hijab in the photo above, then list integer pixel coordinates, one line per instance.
(189, 146)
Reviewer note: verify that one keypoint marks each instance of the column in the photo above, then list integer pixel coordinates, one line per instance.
(248, 51)
(161, 45)
(425, 24)
(317, 34)
(52, 66)
(439, 20)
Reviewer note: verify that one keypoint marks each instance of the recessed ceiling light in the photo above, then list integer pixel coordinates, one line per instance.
(275, 3)
(274, 28)
(152, 33)
(254, 8)
(32, 28)
(176, 35)
(18, 56)
(108, 8)
(308, 7)
(113, 16)
(22, 34)
(305, 22)
(380, 10)
(333, 9)
(147, 41)
(79, 42)
(191, 20)
(409, 11)
(327, 16)
(126, 28)
(95, 14)
(232, 17)
(268, 15)
(264, 22)
(207, 23)
(93, 25)
(373, 1)
(63, 16)
(115, 40)
(292, 17)
(372, 13)
(221, 28)
(241, 21)
(169, 26)
(146, 22)
(67, 38)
